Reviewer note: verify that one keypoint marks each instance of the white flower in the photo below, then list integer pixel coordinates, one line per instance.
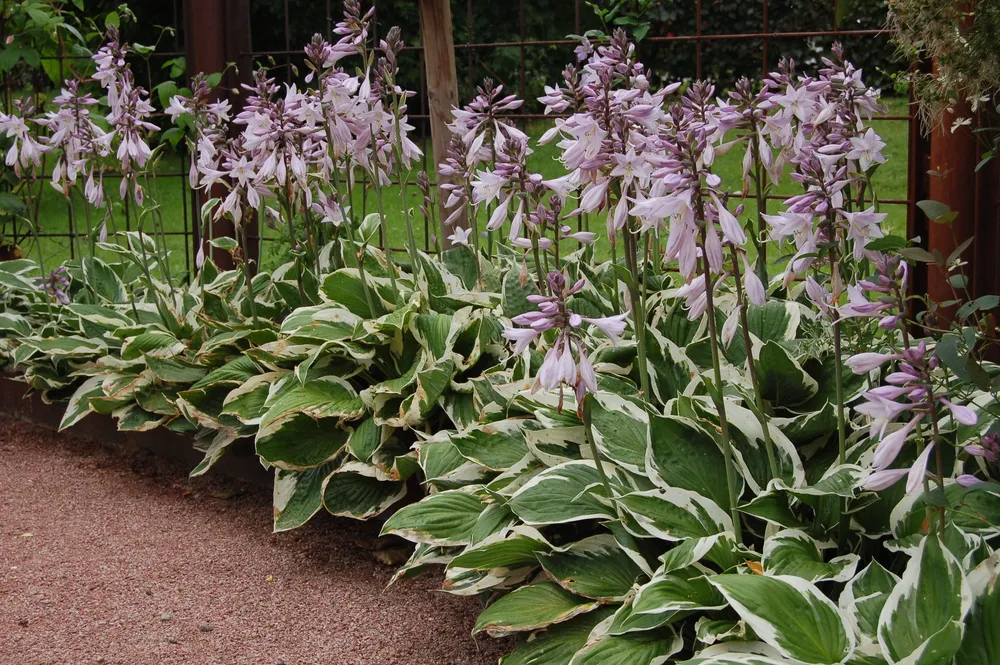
(460, 236)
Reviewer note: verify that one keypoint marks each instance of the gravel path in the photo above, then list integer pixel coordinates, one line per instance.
(108, 558)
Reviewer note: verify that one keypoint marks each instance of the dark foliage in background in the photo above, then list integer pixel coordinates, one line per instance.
(723, 59)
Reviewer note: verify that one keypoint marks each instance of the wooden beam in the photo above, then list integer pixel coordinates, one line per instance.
(442, 89)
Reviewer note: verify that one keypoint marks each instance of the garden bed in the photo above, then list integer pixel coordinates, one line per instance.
(113, 555)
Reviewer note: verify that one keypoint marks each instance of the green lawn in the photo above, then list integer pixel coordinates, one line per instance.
(889, 181)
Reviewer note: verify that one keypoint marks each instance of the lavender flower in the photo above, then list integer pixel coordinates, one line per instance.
(566, 361)
(56, 285)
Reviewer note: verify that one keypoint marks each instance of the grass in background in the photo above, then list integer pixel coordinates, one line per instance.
(890, 182)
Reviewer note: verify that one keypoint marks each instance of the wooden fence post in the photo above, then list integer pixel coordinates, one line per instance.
(442, 89)
(217, 32)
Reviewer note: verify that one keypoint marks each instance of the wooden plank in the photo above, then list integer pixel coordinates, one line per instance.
(442, 89)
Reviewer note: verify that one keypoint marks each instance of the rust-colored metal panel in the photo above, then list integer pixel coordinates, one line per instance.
(240, 463)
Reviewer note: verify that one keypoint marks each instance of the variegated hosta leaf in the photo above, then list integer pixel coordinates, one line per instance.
(532, 607)
(67, 346)
(840, 480)
(794, 552)
(494, 446)
(772, 506)
(676, 514)
(445, 518)
(862, 601)
(791, 615)
(320, 397)
(682, 454)
(711, 631)
(103, 280)
(922, 619)
(749, 448)
(557, 644)
(974, 510)
(653, 647)
(508, 549)
(156, 343)
(357, 492)
(671, 371)
(782, 380)
(216, 448)
(682, 590)
(79, 403)
(621, 430)
(737, 658)
(594, 567)
(981, 643)
(570, 492)
(298, 442)
(298, 495)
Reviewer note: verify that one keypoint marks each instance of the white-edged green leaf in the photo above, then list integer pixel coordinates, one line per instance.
(682, 454)
(652, 647)
(676, 514)
(298, 495)
(299, 442)
(981, 643)
(103, 280)
(682, 590)
(922, 619)
(862, 601)
(79, 403)
(565, 493)
(794, 552)
(594, 567)
(621, 430)
(791, 615)
(445, 518)
(531, 607)
(557, 644)
(355, 492)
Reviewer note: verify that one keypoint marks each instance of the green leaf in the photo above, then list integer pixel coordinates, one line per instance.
(79, 403)
(322, 397)
(789, 614)
(300, 442)
(594, 567)
(683, 590)
(676, 514)
(445, 518)
(794, 552)
(496, 446)
(782, 380)
(933, 209)
(684, 455)
(645, 648)
(557, 644)
(862, 601)
(981, 643)
(358, 495)
(921, 621)
(298, 495)
(563, 493)
(775, 321)
(531, 607)
(621, 430)
(507, 549)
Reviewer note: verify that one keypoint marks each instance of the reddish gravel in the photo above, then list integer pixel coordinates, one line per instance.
(114, 558)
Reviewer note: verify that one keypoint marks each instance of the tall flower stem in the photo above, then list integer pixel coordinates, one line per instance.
(291, 237)
(752, 368)
(938, 457)
(761, 263)
(845, 520)
(385, 233)
(360, 258)
(638, 306)
(717, 397)
(245, 264)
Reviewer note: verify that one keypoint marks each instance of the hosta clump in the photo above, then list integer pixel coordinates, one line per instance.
(721, 490)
